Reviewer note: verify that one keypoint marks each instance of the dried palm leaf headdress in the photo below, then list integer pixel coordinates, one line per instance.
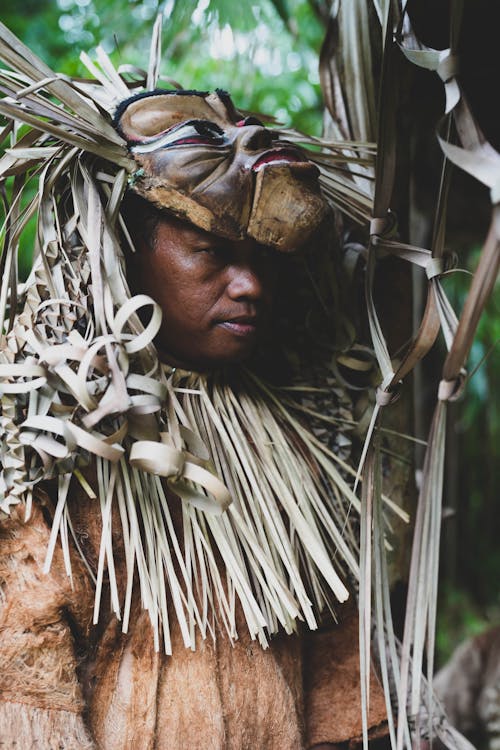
(81, 378)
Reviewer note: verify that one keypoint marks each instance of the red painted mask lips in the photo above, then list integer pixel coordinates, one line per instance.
(280, 156)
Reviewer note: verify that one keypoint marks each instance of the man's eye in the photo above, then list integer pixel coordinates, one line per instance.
(215, 251)
(268, 256)
(266, 253)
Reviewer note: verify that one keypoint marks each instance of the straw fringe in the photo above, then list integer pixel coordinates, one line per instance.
(276, 539)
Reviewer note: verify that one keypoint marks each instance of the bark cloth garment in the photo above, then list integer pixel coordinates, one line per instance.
(64, 684)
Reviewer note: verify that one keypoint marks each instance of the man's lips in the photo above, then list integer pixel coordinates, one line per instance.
(245, 325)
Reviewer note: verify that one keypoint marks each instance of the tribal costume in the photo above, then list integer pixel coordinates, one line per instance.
(203, 506)
(214, 511)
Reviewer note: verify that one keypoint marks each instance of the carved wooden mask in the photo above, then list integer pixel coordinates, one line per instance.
(200, 159)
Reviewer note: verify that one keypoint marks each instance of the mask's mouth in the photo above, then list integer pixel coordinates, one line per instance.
(280, 156)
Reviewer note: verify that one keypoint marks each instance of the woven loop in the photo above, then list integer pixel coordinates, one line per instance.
(495, 193)
(181, 468)
(448, 68)
(434, 267)
(451, 390)
(378, 227)
(385, 397)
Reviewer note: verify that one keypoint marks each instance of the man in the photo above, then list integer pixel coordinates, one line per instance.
(187, 488)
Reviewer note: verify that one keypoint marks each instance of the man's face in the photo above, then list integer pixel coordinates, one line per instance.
(215, 293)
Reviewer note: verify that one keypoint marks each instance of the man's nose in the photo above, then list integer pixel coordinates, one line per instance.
(254, 137)
(246, 283)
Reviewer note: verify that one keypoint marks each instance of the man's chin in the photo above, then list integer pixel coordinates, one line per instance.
(210, 361)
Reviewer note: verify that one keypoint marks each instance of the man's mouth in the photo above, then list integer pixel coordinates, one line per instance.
(245, 325)
(281, 156)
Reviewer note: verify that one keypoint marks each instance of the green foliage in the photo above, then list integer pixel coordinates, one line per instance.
(469, 597)
(249, 48)
(265, 53)
(38, 24)
(476, 423)
(460, 618)
(484, 363)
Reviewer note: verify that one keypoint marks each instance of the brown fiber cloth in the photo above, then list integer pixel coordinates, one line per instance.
(225, 697)
(219, 697)
(300, 691)
(39, 616)
(332, 687)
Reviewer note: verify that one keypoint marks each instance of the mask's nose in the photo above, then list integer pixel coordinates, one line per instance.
(254, 138)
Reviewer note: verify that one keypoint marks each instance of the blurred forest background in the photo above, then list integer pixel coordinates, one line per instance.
(265, 53)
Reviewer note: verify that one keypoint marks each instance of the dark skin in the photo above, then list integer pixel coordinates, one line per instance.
(215, 294)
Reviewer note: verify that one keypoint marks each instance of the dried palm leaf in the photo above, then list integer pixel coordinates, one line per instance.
(401, 674)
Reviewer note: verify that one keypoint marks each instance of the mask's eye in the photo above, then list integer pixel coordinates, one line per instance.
(251, 120)
(195, 131)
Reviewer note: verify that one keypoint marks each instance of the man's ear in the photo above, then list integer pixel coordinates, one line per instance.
(141, 219)
(133, 270)
(134, 257)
